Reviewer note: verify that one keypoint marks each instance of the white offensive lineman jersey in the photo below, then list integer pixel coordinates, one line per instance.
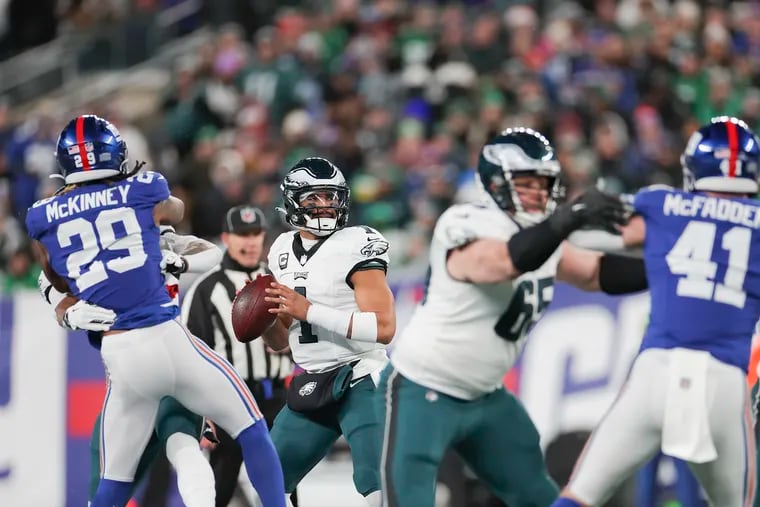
(322, 274)
(463, 337)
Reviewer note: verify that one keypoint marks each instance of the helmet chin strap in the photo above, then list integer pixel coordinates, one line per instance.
(528, 219)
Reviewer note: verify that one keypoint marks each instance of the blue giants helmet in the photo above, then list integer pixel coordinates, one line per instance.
(722, 156)
(90, 148)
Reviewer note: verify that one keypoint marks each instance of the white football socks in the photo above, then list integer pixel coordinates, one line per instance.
(374, 499)
(195, 479)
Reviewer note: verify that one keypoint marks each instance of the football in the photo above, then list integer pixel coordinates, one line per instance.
(250, 315)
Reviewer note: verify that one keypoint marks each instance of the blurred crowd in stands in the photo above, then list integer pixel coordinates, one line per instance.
(401, 95)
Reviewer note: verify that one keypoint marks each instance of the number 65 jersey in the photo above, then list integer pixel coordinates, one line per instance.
(463, 337)
(321, 270)
(103, 241)
(702, 258)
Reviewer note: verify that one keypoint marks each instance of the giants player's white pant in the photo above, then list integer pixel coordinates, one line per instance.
(631, 432)
(143, 366)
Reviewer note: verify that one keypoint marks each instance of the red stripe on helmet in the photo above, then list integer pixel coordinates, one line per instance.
(80, 142)
(733, 146)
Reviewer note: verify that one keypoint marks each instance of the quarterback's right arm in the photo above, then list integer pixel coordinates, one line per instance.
(373, 296)
(277, 336)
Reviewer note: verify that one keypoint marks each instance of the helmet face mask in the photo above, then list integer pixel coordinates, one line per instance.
(90, 148)
(316, 197)
(512, 155)
(722, 156)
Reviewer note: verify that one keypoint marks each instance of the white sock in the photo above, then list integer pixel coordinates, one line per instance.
(195, 479)
(250, 494)
(374, 499)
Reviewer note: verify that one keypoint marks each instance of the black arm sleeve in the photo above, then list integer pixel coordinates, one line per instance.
(531, 247)
(620, 274)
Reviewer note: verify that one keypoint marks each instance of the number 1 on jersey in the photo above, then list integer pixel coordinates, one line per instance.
(307, 335)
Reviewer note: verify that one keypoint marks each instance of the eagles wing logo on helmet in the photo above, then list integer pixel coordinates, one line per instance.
(374, 248)
(519, 152)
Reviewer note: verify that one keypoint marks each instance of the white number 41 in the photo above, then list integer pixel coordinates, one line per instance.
(691, 256)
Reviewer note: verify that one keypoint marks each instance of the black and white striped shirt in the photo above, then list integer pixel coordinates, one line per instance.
(207, 312)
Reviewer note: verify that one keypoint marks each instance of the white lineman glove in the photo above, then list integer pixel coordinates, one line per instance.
(82, 315)
(173, 263)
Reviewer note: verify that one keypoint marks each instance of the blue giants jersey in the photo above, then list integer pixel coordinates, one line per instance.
(702, 259)
(103, 241)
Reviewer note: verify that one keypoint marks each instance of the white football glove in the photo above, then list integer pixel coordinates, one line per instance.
(173, 263)
(82, 315)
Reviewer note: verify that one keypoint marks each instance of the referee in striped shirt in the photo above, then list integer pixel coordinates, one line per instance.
(207, 311)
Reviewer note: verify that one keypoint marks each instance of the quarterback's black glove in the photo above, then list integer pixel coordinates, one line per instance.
(593, 208)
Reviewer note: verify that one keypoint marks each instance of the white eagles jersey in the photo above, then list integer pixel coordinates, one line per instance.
(322, 273)
(463, 337)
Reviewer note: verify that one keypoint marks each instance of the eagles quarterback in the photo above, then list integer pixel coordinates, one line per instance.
(492, 268)
(337, 314)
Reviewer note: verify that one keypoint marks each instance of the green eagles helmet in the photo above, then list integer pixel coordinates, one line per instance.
(310, 175)
(519, 152)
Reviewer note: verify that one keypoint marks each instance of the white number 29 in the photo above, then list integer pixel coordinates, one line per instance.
(98, 236)
(691, 256)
